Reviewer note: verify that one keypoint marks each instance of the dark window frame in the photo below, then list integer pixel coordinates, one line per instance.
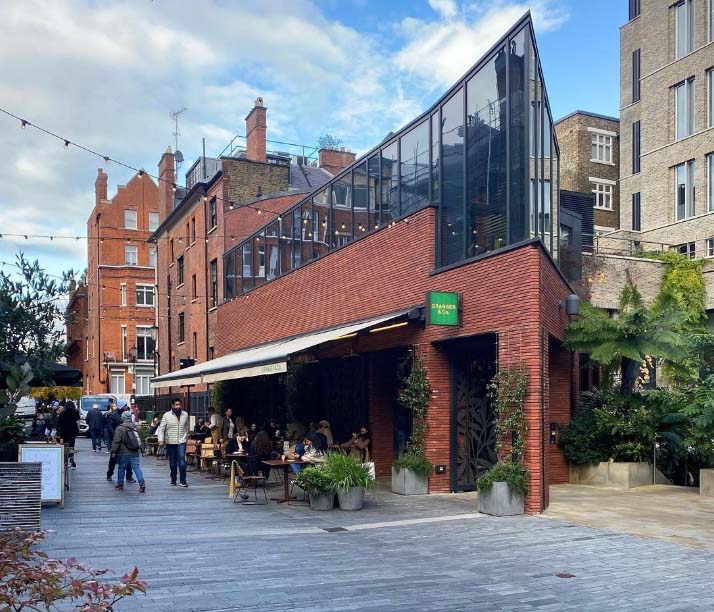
(636, 74)
(179, 271)
(636, 212)
(181, 327)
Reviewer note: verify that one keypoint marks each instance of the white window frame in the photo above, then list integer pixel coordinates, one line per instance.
(131, 255)
(142, 382)
(688, 88)
(153, 221)
(122, 292)
(603, 141)
(710, 247)
(144, 290)
(689, 14)
(123, 343)
(152, 257)
(116, 377)
(604, 192)
(143, 331)
(689, 169)
(130, 219)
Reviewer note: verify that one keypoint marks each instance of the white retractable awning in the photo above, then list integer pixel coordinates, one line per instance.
(261, 360)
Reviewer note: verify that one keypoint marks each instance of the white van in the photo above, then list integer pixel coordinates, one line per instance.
(26, 408)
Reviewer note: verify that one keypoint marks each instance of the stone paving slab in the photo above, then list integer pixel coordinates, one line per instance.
(200, 552)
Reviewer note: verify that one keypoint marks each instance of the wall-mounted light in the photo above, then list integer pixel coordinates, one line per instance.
(571, 305)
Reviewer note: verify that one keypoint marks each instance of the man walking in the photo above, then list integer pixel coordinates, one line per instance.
(68, 429)
(173, 432)
(95, 421)
(126, 446)
(113, 421)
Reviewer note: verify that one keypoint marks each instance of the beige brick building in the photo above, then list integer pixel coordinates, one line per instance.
(589, 162)
(667, 120)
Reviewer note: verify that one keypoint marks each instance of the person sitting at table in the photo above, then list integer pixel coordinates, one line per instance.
(238, 444)
(261, 449)
(358, 445)
(323, 427)
(240, 426)
(271, 427)
(315, 450)
(155, 422)
(201, 429)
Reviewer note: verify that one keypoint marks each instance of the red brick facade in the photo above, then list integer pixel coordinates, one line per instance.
(514, 294)
(76, 321)
(120, 286)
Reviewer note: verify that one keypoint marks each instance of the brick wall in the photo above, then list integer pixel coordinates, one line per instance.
(577, 167)
(106, 271)
(77, 324)
(514, 293)
(243, 179)
(335, 160)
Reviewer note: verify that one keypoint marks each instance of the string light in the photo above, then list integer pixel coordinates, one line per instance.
(23, 124)
(66, 144)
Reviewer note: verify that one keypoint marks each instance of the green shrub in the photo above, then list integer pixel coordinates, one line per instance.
(514, 474)
(314, 480)
(345, 472)
(581, 440)
(415, 462)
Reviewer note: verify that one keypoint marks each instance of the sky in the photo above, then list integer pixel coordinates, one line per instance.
(107, 73)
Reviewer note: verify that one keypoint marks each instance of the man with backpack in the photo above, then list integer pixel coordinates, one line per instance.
(127, 447)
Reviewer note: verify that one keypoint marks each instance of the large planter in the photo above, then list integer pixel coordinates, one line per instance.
(322, 502)
(408, 482)
(618, 474)
(500, 501)
(706, 483)
(351, 499)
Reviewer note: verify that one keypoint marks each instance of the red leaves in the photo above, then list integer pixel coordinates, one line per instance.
(30, 580)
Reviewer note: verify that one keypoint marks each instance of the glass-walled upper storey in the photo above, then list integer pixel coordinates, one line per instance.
(485, 154)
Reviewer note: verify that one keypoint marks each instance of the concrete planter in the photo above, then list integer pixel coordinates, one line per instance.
(351, 499)
(706, 483)
(322, 502)
(500, 501)
(408, 482)
(618, 474)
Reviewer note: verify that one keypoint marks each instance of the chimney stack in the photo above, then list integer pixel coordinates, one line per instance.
(100, 186)
(334, 160)
(255, 129)
(167, 179)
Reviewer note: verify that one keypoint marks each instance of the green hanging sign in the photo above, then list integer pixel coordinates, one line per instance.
(443, 308)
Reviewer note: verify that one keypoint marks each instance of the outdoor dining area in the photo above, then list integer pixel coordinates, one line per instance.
(263, 464)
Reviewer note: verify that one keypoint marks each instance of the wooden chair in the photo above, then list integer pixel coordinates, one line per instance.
(245, 483)
(192, 453)
(208, 456)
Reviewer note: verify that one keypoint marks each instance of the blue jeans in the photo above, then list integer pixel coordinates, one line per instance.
(177, 458)
(96, 438)
(133, 461)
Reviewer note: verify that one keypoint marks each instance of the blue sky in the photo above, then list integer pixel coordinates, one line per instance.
(106, 73)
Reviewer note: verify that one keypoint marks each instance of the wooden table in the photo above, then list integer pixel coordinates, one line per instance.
(232, 485)
(286, 472)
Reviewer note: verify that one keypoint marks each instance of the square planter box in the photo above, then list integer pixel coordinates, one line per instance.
(706, 483)
(619, 474)
(499, 501)
(408, 482)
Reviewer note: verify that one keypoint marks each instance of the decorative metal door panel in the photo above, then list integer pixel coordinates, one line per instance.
(473, 438)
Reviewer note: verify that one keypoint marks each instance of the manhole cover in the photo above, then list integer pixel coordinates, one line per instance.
(565, 575)
(333, 529)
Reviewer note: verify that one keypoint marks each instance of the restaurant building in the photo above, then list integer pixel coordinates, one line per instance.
(441, 243)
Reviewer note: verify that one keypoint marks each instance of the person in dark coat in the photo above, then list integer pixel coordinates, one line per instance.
(114, 420)
(67, 427)
(95, 421)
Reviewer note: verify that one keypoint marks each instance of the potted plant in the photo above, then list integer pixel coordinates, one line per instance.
(12, 429)
(316, 482)
(410, 472)
(502, 489)
(349, 477)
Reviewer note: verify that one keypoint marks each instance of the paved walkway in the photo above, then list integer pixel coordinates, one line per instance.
(200, 552)
(674, 514)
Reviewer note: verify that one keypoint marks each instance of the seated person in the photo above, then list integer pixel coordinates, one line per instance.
(261, 449)
(253, 431)
(237, 444)
(315, 451)
(201, 429)
(358, 445)
(324, 428)
(155, 422)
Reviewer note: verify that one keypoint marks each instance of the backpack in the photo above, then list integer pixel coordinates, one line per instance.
(132, 441)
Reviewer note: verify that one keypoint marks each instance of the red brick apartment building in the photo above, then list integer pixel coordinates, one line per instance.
(76, 318)
(120, 331)
(225, 200)
(325, 303)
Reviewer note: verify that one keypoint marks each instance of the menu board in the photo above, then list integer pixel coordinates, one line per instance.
(51, 456)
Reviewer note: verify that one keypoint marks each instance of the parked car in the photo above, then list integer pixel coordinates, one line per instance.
(26, 408)
(87, 401)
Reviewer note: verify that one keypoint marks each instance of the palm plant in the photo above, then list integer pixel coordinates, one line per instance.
(632, 340)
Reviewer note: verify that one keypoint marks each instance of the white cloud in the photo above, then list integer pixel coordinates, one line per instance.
(106, 74)
(439, 52)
